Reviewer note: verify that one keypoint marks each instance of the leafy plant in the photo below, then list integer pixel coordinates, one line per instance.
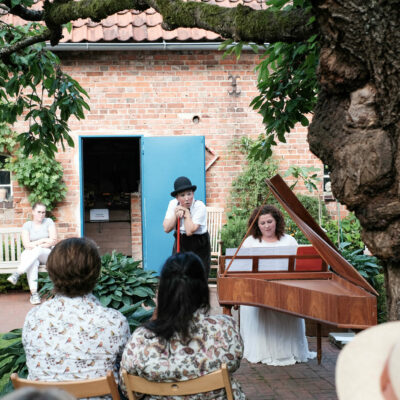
(309, 175)
(367, 266)
(41, 176)
(382, 305)
(122, 285)
(287, 82)
(249, 189)
(12, 358)
(235, 228)
(33, 86)
(348, 230)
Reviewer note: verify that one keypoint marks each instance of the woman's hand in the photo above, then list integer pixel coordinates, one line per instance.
(181, 212)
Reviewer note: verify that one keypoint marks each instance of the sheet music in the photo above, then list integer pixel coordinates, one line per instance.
(280, 264)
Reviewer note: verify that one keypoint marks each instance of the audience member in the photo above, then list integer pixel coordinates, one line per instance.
(369, 366)
(72, 336)
(38, 238)
(184, 342)
(30, 393)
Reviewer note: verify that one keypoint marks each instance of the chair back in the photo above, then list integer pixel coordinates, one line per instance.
(215, 380)
(105, 385)
(214, 225)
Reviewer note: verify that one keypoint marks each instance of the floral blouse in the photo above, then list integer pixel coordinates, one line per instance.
(73, 338)
(214, 340)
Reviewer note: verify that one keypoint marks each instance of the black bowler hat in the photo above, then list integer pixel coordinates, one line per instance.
(181, 184)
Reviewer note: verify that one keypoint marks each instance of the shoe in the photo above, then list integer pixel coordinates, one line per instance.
(35, 299)
(13, 278)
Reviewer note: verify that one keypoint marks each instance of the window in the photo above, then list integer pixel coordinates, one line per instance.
(5, 180)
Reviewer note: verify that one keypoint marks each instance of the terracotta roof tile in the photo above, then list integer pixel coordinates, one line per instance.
(139, 20)
(136, 26)
(140, 34)
(111, 33)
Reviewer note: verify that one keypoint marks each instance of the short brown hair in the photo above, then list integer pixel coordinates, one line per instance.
(74, 266)
(276, 215)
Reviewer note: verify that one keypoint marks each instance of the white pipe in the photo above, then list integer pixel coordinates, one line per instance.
(171, 46)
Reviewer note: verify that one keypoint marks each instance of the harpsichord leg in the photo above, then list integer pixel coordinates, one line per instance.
(319, 348)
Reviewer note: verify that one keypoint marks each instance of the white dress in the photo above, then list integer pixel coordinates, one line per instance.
(272, 337)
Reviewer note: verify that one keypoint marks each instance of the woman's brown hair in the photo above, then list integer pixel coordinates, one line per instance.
(74, 266)
(276, 215)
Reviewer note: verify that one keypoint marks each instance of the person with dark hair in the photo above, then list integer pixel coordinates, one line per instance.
(38, 238)
(183, 341)
(269, 336)
(31, 393)
(72, 336)
(192, 214)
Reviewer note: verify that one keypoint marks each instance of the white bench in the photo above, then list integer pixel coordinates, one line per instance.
(11, 249)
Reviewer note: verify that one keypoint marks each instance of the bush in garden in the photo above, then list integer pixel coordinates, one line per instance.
(122, 285)
(349, 232)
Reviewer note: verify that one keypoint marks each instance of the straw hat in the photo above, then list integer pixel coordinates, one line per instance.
(369, 366)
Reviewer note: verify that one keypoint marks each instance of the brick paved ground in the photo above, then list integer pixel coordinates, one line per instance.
(301, 381)
(260, 382)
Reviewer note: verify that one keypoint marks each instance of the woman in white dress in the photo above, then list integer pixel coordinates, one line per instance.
(269, 336)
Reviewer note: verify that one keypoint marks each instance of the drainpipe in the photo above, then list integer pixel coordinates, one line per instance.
(153, 46)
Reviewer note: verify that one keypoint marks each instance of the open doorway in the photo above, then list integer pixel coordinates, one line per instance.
(111, 179)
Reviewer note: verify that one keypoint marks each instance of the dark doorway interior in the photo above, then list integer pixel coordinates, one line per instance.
(111, 172)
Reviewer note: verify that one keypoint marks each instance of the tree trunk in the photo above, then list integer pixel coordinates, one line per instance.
(392, 283)
(356, 125)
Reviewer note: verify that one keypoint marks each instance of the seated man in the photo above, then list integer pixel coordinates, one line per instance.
(72, 336)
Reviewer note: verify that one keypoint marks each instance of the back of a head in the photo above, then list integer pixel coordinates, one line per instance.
(30, 393)
(183, 289)
(74, 266)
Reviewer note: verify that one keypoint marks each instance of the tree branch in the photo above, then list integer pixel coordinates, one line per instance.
(5, 52)
(24, 13)
(239, 23)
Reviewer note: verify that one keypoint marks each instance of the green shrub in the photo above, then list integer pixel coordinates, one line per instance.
(382, 304)
(122, 285)
(349, 232)
(6, 286)
(235, 228)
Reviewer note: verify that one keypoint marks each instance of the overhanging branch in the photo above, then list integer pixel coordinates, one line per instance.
(239, 23)
(5, 52)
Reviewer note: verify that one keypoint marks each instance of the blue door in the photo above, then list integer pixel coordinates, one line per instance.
(163, 160)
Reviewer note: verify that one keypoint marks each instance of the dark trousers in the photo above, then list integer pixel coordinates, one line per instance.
(199, 244)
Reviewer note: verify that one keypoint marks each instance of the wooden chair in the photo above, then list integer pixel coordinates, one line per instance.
(80, 388)
(213, 381)
(214, 225)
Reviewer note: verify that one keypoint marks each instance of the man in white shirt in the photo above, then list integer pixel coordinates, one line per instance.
(192, 215)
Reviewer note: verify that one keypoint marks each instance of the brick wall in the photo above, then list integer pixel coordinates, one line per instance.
(164, 94)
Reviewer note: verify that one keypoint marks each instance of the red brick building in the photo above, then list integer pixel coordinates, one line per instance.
(145, 82)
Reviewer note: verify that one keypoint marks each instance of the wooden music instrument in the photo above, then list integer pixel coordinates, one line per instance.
(336, 295)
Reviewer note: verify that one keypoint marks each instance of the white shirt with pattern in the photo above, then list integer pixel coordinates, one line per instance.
(215, 339)
(73, 338)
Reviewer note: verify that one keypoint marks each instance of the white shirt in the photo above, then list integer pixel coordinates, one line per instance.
(285, 240)
(73, 338)
(198, 212)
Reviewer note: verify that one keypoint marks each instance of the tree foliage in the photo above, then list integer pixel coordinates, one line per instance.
(34, 87)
